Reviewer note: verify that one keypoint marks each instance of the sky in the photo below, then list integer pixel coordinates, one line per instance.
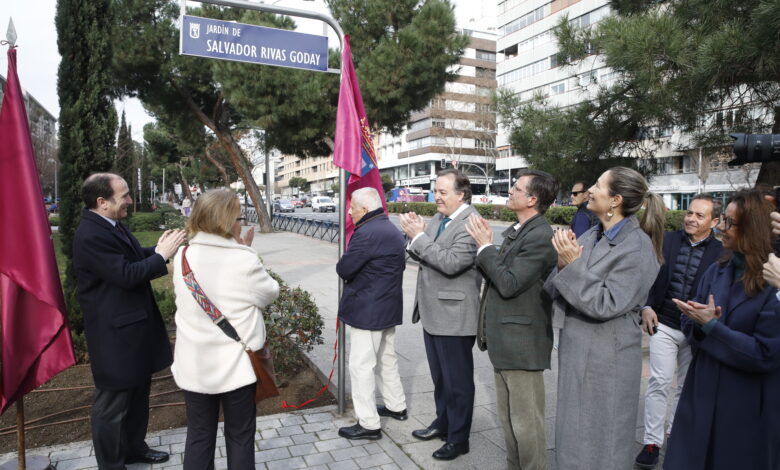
(38, 58)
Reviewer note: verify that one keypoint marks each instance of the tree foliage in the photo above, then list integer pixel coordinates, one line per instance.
(87, 123)
(299, 183)
(677, 64)
(387, 182)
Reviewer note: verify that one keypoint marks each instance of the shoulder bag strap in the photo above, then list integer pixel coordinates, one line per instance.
(203, 300)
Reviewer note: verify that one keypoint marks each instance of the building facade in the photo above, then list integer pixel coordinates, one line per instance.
(456, 129)
(529, 67)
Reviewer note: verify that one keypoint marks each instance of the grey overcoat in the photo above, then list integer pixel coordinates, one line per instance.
(600, 352)
(447, 297)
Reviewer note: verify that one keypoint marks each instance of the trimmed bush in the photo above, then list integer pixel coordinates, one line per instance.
(674, 220)
(54, 221)
(145, 221)
(293, 324)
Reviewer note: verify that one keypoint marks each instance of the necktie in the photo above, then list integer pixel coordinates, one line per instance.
(123, 233)
(442, 226)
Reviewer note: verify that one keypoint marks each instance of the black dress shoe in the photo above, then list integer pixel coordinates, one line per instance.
(449, 451)
(150, 456)
(359, 432)
(399, 415)
(429, 433)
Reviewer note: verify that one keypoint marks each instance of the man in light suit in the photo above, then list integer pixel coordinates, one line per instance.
(126, 337)
(447, 302)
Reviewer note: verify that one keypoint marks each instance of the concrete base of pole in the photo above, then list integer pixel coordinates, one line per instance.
(34, 462)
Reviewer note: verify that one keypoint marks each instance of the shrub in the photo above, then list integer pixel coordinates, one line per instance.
(674, 220)
(560, 215)
(54, 221)
(293, 323)
(420, 208)
(166, 302)
(145, 221)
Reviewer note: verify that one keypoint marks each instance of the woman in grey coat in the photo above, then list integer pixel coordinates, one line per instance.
(600, 282)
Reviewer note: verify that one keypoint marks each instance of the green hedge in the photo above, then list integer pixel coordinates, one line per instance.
(558, 215)
(54, 221)
(155, 221)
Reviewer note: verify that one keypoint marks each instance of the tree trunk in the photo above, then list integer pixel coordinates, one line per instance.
(185, 185)
(220, 167)
(237, 159)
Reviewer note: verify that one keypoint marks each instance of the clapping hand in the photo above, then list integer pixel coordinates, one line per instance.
(480, 230)
(169, 242)
(700, 313)
(411, 224)
(772, 270)
(248, 237)
(565, 243)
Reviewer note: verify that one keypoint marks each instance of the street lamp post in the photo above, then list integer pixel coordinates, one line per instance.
(55, 178)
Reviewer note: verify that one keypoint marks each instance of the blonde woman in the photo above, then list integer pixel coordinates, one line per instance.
(211, 368)
(601, 280)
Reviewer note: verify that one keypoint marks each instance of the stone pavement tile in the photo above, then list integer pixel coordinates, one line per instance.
(372, 448)
(286, 464)
(549, 429)
(496, 436)
(327, 434)
(484, 418)
(290, 430)
(292, 419)
(174, 467)
(179, 437)
(349, 453)
(314, 427)
(263, 424)
(177, 448)
(401, 431)
(154, 440)
(390, 466)
(268, 434)
(302, 449)
(321, 458)
(260, 466)
(318, 467)
(398, 455)
(304, 438)
(484, 395)
(343, 465)
(318, 417)
(483, 455)
(272, 454)
(220, 463)
(420, 403)
(375, 460)
(174, 459)
(76, 464)
(417, 383)
(74, 453)
(332, 444)
(266, 444)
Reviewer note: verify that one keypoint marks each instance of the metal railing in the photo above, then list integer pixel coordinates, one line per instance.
(311, 227)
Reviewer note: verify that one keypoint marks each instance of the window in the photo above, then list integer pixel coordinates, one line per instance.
(486, 55)
(558, 88)
(526, 20)
(485, 73)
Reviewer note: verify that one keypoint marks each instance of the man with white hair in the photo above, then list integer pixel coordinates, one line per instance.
(372, 305)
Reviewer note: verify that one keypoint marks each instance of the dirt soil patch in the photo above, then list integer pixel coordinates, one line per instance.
(50, 404)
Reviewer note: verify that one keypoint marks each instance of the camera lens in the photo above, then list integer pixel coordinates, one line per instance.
(750, 148)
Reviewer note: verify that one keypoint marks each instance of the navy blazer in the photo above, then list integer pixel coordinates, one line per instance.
(672, 243)
(126, 336)
(728, 415)
(373, 270)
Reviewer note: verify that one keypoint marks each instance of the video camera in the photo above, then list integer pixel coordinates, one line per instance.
(756, 148)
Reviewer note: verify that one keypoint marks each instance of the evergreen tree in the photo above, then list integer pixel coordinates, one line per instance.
(87, 122)
(123, 160)
(677, 64)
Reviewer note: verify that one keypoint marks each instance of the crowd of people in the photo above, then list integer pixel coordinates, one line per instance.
(708, 300)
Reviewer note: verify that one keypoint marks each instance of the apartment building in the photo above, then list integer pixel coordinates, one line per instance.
(529, 67)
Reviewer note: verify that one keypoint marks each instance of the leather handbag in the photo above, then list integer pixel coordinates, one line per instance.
(262, 361)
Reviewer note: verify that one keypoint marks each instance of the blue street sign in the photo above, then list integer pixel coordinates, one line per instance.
(227, 40)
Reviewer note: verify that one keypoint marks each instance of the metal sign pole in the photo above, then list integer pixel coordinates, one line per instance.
(327, 19)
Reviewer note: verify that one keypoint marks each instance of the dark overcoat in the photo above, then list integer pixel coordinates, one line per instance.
(728, 415)
(126, 336)
(515, 322)
(373, 270)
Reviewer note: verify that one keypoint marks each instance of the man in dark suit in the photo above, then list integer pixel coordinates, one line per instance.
(583, 219)
(687, 255)
(372, 305)
(515, 322)
(126, 337)
(447, 303)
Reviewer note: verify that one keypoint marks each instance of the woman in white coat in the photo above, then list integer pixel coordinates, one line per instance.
(211, 368)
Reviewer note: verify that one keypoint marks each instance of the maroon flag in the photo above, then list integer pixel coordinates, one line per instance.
(354, 147)
(36, 343)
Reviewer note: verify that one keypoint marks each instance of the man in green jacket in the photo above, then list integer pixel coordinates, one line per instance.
(515, 322)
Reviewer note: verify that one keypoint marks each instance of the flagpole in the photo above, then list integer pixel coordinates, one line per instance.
(342, 382)
(21, 450)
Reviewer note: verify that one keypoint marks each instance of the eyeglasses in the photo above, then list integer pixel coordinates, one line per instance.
(527, 194)
(728, 222)
(240, 219)
(574, 193)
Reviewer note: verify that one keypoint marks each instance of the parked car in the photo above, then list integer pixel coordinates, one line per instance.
(323, 204)
(297, 203)
(283, 205)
